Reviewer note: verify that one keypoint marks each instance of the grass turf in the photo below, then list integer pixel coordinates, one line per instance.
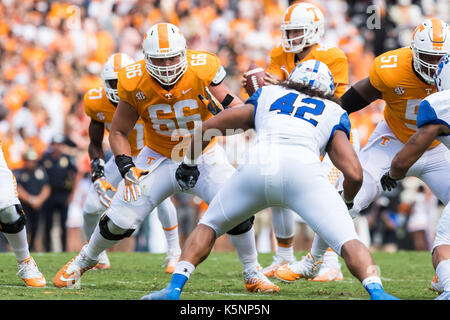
(405, 274)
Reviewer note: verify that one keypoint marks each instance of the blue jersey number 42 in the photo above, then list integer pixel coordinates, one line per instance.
(285, 105)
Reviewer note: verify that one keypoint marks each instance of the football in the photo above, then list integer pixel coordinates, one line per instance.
(255, 78)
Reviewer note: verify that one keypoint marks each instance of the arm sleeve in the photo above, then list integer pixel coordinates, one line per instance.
(344, 125)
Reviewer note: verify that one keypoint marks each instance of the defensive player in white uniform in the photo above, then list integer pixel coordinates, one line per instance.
(295, 122)
(12, 224)
(433, 122)
(100, 104)
(167, 90)
(402, 78)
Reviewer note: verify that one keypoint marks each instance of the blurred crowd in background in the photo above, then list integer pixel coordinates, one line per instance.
(52, 52)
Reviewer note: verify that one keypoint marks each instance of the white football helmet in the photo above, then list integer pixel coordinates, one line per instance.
(430, 42)
(109, 73)
(164, 40)
(314, 74)
(306, 17)
(442, 75)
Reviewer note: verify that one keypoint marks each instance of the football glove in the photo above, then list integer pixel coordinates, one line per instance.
(131, 175)
(387, 182)
(97, 169)
(211, 102)
(102, 186)
(132, 189)
(187, 176)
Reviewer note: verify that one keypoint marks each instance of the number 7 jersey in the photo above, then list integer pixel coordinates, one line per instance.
(392, 74)
(171, 116)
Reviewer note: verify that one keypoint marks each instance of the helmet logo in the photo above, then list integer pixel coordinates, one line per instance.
(313, 9)
(419, 28)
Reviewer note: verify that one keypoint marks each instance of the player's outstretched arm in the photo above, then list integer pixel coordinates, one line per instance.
(414, 149)
(344, 157)
(360, 95)
(123, 122)
(225, 97)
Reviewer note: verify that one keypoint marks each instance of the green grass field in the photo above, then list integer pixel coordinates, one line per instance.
(405, 274)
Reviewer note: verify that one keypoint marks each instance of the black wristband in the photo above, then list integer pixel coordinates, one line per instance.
(97, 169)
(124, 163)
(352, 101)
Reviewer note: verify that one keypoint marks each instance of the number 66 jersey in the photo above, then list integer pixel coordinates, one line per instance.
(287, 117)
(171, 116)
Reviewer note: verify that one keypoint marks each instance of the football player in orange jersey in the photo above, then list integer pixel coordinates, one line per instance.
(402, 78)
(13, 227)
(167, 90)
(100, 105)
(302, 28)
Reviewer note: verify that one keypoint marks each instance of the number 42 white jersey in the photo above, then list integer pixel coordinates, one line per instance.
(436, 109)
(288, 117)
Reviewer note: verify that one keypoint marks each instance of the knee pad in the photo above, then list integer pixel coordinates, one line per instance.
(105, 225)
(12, 213)
(243, 227)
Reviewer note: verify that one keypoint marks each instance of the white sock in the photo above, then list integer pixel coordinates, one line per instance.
(286, 253)
(185, 268)
(371, 279)
(246, 249)
(443, 273)
(97, 244)
(90, 221)
(173, 242)
(19, 244)
(331, 257)
(318, 248)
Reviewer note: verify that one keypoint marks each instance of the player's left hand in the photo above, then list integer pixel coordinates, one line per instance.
(187, 176)
(387, 182)
(211, 102)
(132, 189)
(348, 204)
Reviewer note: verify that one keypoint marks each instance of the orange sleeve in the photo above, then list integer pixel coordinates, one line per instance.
(276, 63)
(123, 90)
(375, 78)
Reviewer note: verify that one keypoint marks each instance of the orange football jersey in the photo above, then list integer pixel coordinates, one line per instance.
(282, 63)
(392, 74)
(98, 107)
(170, 116)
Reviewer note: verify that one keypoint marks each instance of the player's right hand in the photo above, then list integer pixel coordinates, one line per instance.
(102, 186)
(387, 182)
(187, 176)
(132, 189)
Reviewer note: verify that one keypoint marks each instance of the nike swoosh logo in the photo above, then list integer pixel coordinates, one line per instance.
(186, 91)
(63, 278)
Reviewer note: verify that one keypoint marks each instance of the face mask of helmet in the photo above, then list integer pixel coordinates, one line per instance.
(426, 64)
(111, 90)
(166, 75)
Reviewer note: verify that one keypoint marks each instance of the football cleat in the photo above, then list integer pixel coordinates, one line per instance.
(103, 262)
(435, 285)
(445, 295)
(377, 292)
(72, 271)
(329, 272)
(30, 273)
(164, 294)
(307, 268)
(256, 281)
(172, 261)
(276, 263)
